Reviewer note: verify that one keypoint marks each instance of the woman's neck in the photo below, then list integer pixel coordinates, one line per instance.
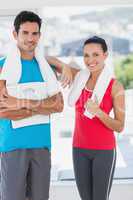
(95, 75)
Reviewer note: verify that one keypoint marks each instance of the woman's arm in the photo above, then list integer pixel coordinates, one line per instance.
(68, 72)
(116, 123)
(118, 95)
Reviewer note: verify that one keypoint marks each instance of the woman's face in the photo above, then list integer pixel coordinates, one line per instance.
(94, 56)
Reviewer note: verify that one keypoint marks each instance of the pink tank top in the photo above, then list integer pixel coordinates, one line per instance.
(92, 133)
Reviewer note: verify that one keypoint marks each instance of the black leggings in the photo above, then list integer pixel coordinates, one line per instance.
(94, 170)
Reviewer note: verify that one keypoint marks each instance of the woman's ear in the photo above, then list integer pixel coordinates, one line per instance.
(106, 54)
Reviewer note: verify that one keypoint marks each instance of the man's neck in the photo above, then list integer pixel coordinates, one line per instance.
(27, 55)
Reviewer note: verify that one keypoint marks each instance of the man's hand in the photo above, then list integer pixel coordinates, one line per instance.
(3, 90)
(8, 103)
(47, 106)
(52, 104)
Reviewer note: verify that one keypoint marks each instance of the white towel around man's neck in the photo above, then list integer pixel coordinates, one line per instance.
(12, 69)
(100, 88)
(11, 72)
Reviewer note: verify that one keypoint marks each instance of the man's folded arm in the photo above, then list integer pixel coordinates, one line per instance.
(14, 108)
(17, 115)
(53, 104)
(46, 106)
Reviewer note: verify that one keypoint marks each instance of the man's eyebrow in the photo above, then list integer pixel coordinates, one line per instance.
(35, 32)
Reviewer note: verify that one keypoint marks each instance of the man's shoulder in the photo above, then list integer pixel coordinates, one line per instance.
(2, 61)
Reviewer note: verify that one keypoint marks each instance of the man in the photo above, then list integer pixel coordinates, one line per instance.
(25, 149)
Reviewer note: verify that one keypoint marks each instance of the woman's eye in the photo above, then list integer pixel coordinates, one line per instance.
(86, 56)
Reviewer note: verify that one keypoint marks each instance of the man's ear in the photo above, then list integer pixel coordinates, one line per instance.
(14, 34)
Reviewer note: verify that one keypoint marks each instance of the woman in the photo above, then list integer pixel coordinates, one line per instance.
(94, 145)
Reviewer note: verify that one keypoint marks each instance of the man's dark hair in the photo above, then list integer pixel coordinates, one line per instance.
(97, 40)
(26, 16)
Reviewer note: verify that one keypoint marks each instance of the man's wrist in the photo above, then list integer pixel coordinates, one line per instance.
(30, 104)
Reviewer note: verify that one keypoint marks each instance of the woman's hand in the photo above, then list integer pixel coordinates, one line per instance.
(92, 106)
(66, 76)
(67, 71)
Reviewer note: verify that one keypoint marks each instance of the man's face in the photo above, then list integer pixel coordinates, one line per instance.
(27, 36)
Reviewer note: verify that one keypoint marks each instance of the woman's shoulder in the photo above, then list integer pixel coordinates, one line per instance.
(117, 88)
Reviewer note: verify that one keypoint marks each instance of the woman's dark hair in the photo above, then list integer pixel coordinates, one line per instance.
(97, 40)
(26, 16)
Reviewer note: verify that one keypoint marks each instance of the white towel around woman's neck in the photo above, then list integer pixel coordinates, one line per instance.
(11, 72)
(100, 88)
